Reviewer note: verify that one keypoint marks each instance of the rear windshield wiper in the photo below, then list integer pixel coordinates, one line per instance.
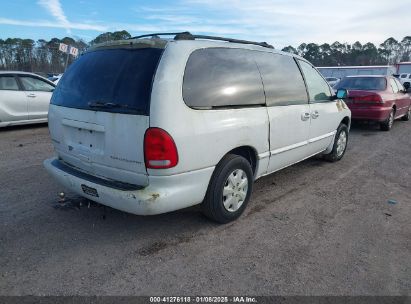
(99, 104)
(106, 105)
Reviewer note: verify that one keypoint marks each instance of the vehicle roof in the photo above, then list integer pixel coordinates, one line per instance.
(357, 67)
(26, 73)
(197, 43)
(19, 72)
(372, 76)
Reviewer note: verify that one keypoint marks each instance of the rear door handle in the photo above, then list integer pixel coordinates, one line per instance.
(315, 114)
(31, 95)
(305, 116)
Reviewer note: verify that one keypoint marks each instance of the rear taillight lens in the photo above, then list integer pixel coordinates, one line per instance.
(374, 98)
(160, 151)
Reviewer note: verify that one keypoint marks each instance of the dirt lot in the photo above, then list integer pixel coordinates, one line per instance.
(315, 228)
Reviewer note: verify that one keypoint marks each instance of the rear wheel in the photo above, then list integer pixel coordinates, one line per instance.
(407, 116)
(387, 124)
(229, 189)
(340, 144)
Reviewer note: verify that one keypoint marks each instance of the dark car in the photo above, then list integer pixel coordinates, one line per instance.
(376, 98)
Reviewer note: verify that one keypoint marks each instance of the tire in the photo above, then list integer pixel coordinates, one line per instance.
(235, 174)
(387, 124)
(407, 116)
(340, 144)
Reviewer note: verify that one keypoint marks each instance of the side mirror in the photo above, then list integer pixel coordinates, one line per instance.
(406, 86)
(342, 93)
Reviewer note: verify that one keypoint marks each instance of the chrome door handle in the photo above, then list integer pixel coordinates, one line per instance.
(305, 116)
(31, 95)
(315, 114)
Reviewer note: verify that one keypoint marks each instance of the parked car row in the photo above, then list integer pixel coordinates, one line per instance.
(150, 125)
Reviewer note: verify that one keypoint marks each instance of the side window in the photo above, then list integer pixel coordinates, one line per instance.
(318, 88)
(283, 82)
(394, 86)
(8, 83)
(35, 84)
(220, 77)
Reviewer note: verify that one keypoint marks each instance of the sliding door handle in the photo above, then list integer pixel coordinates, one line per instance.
(305, 116)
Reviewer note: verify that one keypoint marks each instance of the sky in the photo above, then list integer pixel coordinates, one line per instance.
(278, 22)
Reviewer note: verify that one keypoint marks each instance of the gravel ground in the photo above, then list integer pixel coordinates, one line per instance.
(315, 228)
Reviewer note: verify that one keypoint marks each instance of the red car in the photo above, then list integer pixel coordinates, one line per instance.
(376, 98)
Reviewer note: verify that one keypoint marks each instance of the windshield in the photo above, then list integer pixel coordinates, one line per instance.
(363, 83)
(111, 80)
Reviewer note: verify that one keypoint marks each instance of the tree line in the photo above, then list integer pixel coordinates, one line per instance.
(389, 52)
(43, 56)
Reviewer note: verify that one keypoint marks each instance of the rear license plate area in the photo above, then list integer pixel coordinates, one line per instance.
(89, 190)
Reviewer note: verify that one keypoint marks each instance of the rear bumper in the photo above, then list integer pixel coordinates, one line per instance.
(163, 194)
(375, 113)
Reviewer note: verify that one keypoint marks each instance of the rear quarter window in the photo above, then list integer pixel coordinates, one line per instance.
(119, 77)
(222, 77)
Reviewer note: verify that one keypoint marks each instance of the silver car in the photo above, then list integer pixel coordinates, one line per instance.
(24, 98)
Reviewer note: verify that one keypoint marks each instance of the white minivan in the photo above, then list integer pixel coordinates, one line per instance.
(150, 125)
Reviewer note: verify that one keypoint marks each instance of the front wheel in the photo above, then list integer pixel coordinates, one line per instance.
(340, 144)
(229, 189)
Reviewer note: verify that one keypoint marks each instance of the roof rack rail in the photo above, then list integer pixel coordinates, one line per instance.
(189, 36)
(157, 35)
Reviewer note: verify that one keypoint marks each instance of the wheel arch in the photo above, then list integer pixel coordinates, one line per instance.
(249, 153)
(346, 121)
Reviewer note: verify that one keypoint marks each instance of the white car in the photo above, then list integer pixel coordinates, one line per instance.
(405, 77)
(55, 79)
(24, 98)
(332, 81)
(149, 126)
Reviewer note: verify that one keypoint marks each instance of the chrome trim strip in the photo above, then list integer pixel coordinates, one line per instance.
(301, 144)
(290, 147)
(264, 155)
(322, 137)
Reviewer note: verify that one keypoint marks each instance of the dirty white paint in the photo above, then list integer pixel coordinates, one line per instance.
(280, 136)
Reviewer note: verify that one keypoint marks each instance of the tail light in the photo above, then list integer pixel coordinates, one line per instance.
(160, 151)
(373, 98)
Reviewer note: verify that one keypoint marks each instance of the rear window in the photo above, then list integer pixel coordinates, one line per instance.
(111, 80)
(363, 83)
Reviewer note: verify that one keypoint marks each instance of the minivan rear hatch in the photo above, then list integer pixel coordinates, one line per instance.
(100, 111)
